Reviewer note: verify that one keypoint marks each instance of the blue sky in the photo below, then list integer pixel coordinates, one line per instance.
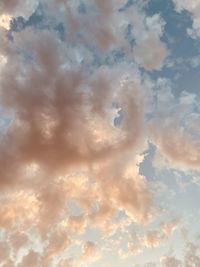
(99, 133)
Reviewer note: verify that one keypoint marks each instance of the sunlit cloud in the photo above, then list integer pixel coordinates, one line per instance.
(5, 21)
(90, 118)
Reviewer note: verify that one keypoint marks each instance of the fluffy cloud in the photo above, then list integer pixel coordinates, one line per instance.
(110, 26)
(180, 149)
(78, 127)
(147, 33)
(18, 7)
(154, 238)
(63, 143)
(170, 262)
(193, 7)
(31, 259)
(5, 21)
(175, 129)
(191, 257)
(40, 106)
(4, 252)
(90, 252)
(151, 239)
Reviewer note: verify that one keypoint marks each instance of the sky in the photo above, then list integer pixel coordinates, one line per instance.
(99, 133)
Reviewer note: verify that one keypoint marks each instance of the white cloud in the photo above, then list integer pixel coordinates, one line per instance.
(90, 252)
(193, 7)
(147, 32)
(18, 8)
(174, 129)
(63, 144)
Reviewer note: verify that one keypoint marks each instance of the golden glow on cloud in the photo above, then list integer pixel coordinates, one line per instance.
(87, 134)
(5, 21)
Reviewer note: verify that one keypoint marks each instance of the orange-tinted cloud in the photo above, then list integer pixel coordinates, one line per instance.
(63, 144)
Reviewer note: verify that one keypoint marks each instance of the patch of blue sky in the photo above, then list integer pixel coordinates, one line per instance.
(182, 48)
(181, 193)
(6, 119)
(38, 21)
(74, 208)
(35, 20)
(175, 33)
(189, 81)
(177, 191)
(146, 167)
(100, 58)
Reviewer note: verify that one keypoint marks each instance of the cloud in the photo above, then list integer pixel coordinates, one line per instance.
(4, 252)
(105, 31)
(78, 128)
(31, 259)
(155, 238)
(63, 144)
(19, 206)
(65, 263)
(181, 150)
(5, 21)
(76, 224)
(18, 239)
(193, 8)
(58, 242)
(42, 113)
(18, 8)
(191, 257)
(147, 32)
(151, 239)
(90, 252)
(170, 262)
(110, 26)
(169, 227)
(176, 138)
